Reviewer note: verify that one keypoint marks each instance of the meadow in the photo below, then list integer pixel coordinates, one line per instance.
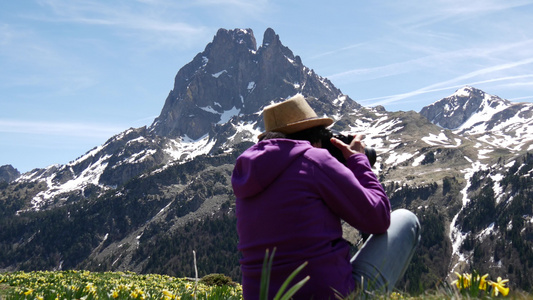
(45, 285)
(72, 284)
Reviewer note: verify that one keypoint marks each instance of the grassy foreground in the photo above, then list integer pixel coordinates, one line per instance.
(113, 285)
(119, 285)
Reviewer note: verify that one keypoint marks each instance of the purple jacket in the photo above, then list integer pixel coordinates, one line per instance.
(292, 196)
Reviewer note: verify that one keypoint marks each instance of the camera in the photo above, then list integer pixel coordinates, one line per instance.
(347, 139)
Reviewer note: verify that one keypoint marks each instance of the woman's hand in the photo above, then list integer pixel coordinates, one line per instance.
(356, 146)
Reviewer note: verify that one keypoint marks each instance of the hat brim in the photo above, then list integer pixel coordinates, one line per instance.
(300, 125)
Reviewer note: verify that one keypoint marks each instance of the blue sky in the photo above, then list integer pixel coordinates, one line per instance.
(74, 73)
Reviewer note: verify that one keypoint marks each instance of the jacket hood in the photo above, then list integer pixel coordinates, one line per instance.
(262, 163)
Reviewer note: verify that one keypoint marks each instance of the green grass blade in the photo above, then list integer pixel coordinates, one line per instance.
(288, 280)
(265, 274)
(295, 288)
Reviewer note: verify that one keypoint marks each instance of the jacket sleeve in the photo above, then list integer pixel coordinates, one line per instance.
(353, 192)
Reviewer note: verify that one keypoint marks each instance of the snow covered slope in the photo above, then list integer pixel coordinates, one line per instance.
(490, 119)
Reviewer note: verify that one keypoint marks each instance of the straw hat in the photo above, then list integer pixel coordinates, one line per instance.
(290, 116)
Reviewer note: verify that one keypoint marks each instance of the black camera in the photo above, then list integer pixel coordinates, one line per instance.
(347, 139)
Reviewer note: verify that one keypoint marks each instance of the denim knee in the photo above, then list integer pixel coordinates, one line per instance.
(407, 220)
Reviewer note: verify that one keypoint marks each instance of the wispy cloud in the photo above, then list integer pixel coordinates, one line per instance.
(60, 128)
(160, 22)
(333, 52)
(480, 7)
(443, 59)
(447, 85)
(423, 13)
(243, 6)
(29, 58)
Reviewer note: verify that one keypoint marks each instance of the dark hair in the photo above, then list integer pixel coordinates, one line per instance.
(313, 135)
(273, 135)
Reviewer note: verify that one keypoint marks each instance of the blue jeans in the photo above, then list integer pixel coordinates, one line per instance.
(383, 259)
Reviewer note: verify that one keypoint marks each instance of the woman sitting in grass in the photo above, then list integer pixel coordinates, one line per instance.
(292, 194)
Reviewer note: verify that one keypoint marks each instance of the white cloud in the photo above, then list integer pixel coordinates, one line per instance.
(434, 88)
(59, 128)
(159, 22)
(420, 14)
(176, 23)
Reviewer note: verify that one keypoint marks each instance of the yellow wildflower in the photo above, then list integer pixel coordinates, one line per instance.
(499, 287)
(90, 288)
(167, 293)
(483, 282)
(28, 292)
(396, 295)
(463, 282)
(140, 293)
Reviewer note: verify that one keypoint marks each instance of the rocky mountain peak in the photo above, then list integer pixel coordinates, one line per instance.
(204, 89)
(243, 37)
(270, 37)
(231, 78)
(8, 173)
(454, 111)
(496, 121)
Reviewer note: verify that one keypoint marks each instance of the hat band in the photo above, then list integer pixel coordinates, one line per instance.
(296, 122)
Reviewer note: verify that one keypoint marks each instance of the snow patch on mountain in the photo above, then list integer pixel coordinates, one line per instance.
(243, 132)
(224, 116)
(184, 149)
(417, 161)
(498, 190)
(434, 140)
(477, 123)
(137, 157)
(456, 235)
(209, 109)
(216, 75)
(228, 114)
(512, 133)
(398, 158)
(339, 101)
(377, 131)
(90, 175)
(251, 86)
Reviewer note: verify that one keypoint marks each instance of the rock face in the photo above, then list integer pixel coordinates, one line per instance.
(8, 173)
(231, 77)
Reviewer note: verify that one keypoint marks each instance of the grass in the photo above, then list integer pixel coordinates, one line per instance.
(127, 285)
(109, 285)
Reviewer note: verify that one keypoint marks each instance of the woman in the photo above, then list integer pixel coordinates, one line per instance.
(291, 195)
